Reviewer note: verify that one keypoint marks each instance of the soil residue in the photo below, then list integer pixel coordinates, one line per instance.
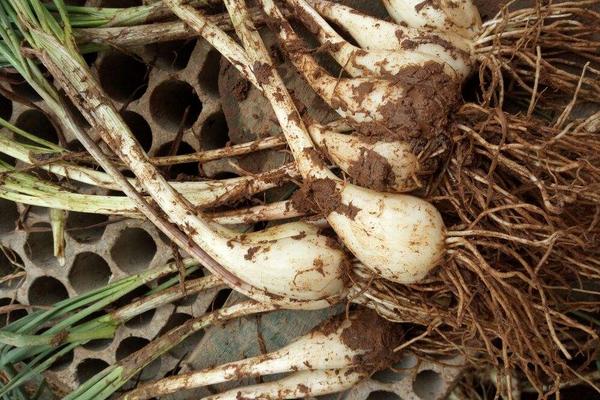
(322, 196)
(263, 72)
(427, 3)
(372, 171)
(376, 336)
(413, 43)
(240, 90)
(251, 252)
(429, 97)
(303, 389)
(299, 236)
(319, 195)
(59, 338)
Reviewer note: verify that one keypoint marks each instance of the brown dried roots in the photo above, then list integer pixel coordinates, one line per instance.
(547, 48)
(520, 200)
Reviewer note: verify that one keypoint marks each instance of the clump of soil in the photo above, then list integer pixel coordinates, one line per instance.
(429, 97)
(375, 336)
(323, 197)
(372, 171)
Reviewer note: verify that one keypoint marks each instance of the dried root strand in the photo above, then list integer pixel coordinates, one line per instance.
(520, 200)
(547, 48)
(558, 168)
(491, 315)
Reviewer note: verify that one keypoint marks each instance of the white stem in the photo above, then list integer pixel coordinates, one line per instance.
(101, 179)
(379, 63)
(230, 259)
(170, 295)
(399, 237)
(381, 102)
(140, 35)
(297, 385)
(445, 15)
(314, 351)
(374, 33)
(268, 212)
(207, 194)
(215, 36)
(274, 89)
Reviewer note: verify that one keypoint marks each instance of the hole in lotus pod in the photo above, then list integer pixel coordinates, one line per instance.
(141, 320)
(89, 271)
(13, 311)
(88, 368)
(129, 346)
(139, 127)
(214, 133)
(428, 384)
(97, 344)
(220, 299)
(208, 78)
(189, 169)
(383, 395)
(10, 263)
(397, 371)
(134, 250)
(189, 300)
(131, 296)
(63, 362)
(23, 89)
(39, 246)
(36, 123)
(388, 376)
(122, 76)
(224, 175)
(46, 291)
(188, 344)
(6, 108)
(86, 227)
(7, 159)
(132, 344)
(90, 57)
(9, 213)
(175, 105)
(173, 55)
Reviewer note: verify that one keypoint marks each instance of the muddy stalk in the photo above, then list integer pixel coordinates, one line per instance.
(217, 248)
(61, 162)
(344, 342)
(133, 33)
(29, 189)
(19, 13)
(297, 385)
(533, 46)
